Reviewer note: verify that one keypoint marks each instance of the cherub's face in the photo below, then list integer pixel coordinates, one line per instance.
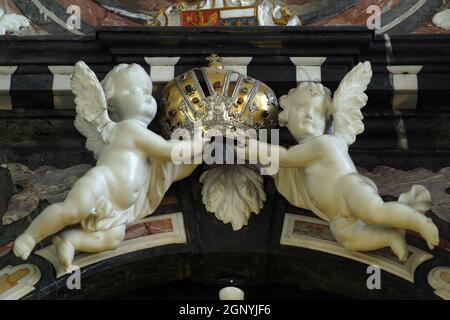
(133, 96)
(308, 116)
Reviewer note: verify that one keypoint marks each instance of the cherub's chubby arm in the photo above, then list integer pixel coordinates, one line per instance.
(309, 151)
(300, 155)
(158, 148)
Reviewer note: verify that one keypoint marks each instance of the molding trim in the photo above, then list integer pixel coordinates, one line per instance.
(25, 276)
(439, 280)
(381, 258)
(177, 234)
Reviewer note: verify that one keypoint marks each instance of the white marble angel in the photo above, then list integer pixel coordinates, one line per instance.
(319, 175)
(132, 173)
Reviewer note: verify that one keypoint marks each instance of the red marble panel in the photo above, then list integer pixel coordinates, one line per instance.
(444, 244)
(6, 248)
(95, 15)
(319, 231)
(357, 15)
(10, 6)
(167, 200)
(149, 228)
(151, 5)
(429, 27)
(322, 232)
(147, 5)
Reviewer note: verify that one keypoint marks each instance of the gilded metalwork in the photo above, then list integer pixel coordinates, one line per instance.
(220, 98)
(285, 15)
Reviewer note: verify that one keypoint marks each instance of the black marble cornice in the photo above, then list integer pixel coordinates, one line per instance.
(264, 41)
(113, 44)
(116, 44)
(410, 49)
(424, 121)
(51, 50)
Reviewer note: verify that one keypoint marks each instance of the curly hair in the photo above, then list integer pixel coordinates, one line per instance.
(314, 90)
(108, 81)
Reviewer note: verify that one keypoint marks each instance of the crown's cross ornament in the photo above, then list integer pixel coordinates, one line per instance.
(215, 61)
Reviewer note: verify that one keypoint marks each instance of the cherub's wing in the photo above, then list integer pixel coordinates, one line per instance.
(92, 119)
(348, 100)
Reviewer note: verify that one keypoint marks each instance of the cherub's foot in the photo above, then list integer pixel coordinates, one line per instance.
(399, 246)
(65, 251)
(430, 233)
(71, 268)
(23, 245)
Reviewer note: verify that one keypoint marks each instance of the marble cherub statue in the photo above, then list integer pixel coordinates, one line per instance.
(319, 175)
(132, 173)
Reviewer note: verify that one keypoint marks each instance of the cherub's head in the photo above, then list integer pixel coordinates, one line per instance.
(306, 110)
(128, 90)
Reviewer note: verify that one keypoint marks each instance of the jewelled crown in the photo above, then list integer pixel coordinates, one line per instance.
(219, 98)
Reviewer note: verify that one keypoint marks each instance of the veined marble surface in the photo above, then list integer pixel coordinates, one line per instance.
(397, 16)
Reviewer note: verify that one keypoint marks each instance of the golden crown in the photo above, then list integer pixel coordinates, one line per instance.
(219, 98)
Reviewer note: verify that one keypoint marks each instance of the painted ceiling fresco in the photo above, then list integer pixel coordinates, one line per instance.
(397, 16)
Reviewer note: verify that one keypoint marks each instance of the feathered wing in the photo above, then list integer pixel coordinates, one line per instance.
(348, 100)
(92, 119)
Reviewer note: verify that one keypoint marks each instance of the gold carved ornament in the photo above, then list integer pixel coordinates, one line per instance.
(285, 15)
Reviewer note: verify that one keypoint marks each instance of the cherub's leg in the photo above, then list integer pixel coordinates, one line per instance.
(70, 241)
(77, 206)
(364, 202)
(355, 235)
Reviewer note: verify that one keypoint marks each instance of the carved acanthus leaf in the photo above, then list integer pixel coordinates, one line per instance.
(232, 193)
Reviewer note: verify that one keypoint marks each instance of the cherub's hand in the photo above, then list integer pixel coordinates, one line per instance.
(247, 148)
(198, 141)
(206, 141)
(242, 137)
(241, 145)
(240, 151)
